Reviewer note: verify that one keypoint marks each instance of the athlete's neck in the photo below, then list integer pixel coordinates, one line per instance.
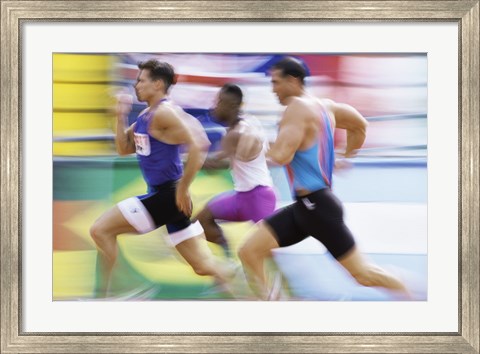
(234, 121)
(300, 93)
(155, 100)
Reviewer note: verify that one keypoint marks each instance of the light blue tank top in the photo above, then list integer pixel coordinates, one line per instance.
(312, 169)
(159, 162)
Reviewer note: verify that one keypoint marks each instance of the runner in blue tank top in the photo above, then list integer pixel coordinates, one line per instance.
(159, 162)
(305, 144)
(155, 137)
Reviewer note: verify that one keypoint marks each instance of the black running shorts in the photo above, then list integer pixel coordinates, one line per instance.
(320, 215)
(162, 207)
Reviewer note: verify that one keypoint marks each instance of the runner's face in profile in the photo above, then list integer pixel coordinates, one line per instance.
(226, 108)
(280, 86)
(145, 87)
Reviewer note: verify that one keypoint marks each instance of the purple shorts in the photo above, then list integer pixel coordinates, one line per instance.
(253, 205)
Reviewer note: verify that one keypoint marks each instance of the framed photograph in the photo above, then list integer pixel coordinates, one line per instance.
(429, 50)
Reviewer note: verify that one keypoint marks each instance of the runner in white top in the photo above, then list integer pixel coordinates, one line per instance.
(253, 197)
(249, 174)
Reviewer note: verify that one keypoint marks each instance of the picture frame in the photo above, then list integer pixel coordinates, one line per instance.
(16, 13)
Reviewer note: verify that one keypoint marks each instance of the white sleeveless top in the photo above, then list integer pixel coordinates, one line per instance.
(250, 174)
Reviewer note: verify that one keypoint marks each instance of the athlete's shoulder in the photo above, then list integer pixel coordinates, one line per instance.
(328, 106)
(298, 108)
(248, 120)
(166, 114)
(165, 108)
(326, 102)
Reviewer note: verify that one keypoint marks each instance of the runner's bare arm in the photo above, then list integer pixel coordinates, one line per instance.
(354, 123)
(168, 127)
(290, 136)
(124, 141)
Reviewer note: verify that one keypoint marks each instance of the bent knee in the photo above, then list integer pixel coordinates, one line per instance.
(243, 253)
(95, 231)
(205, 216)
(201, 269)
(98, 233)
(248, 253)
(258, 244)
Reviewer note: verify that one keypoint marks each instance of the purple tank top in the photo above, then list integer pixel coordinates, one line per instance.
(159, 162)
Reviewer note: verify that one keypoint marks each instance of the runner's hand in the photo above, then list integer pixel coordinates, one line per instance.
(342, 164)
(183, 200)
(124, 105)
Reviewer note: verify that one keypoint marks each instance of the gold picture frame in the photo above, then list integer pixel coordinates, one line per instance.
(464, 13)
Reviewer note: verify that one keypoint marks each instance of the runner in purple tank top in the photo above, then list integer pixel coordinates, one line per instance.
(155, 137)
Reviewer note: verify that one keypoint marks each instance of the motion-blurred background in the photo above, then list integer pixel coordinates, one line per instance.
(385, 192)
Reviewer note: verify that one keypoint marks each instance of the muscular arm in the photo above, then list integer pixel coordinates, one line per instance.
(124, 141)
(169, 127)
(290, 135)
(216, 161)
(348, 118)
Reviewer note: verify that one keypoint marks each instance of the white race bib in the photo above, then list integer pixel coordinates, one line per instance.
(142, 144)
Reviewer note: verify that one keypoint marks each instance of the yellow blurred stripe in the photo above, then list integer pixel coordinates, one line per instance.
(91, 148)
(68, 96)
(82, 67)
(68, 121)
(73, 273)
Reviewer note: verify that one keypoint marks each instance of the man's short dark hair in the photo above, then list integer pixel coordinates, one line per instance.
(233, 90)
(159, 71)
(290, 66)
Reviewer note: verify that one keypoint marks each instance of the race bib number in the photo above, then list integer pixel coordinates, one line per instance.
(142, 144)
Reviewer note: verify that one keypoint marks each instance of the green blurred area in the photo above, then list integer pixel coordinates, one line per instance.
(148, 267)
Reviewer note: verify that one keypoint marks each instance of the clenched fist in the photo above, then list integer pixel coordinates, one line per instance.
(124, 105)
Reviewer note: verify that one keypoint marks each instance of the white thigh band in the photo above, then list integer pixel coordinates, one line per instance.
(193, 230)
(137, 215)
